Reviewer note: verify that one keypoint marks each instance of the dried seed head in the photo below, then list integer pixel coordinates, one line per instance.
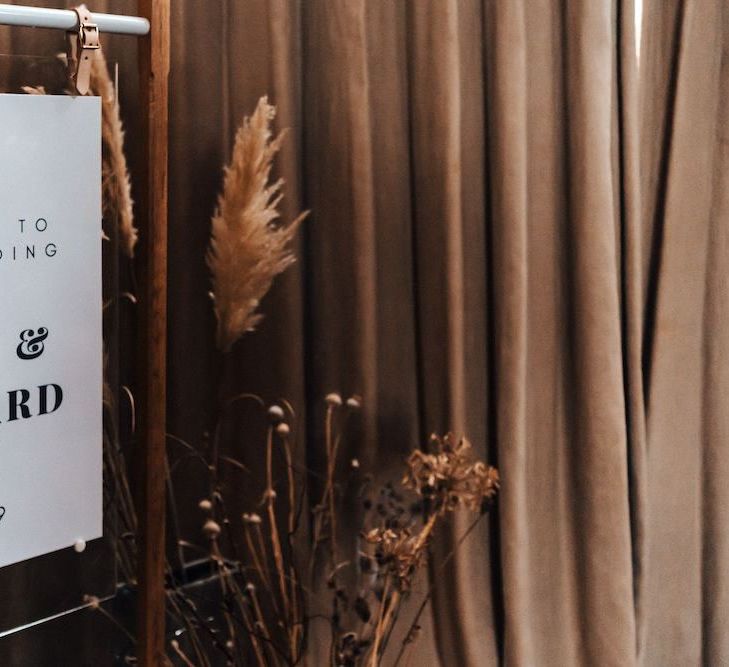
(397, 551)
(251, 518)
(205, 505)
(283, 429)
(354, 402)
(211, 529)
(275, 414)
(333, 399)
(355, 463)
(450, 477)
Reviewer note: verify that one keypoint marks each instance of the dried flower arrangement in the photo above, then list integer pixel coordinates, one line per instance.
(267, 583)
(266, 600)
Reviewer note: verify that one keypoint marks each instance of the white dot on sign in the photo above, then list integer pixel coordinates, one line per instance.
(79, 546)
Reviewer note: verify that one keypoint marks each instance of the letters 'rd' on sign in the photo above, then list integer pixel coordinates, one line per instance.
(50, 324)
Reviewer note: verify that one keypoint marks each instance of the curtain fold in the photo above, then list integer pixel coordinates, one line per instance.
(629, 194)
(715, 416)
(447, 135)
(558, 377)
(684, 154)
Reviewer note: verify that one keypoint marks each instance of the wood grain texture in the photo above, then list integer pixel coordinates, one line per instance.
(154, 65)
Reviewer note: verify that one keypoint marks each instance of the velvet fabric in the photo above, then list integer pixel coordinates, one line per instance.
(516, 234)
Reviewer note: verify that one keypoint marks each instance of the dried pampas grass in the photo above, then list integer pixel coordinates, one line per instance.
(116, 185)
(248, 249)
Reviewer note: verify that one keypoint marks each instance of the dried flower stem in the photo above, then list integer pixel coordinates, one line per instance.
(258, 562)
(387, 601)
(261, 623)
(275, 540)
(329, 489)
(191, 632)
(200, 623)
(225, 588)
(181, 654)
(295, 629)
(249, 624)
(428, 597)
(390, 607)
(425, 532)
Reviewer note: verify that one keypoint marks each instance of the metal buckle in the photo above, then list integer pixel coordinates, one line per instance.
(88, 35)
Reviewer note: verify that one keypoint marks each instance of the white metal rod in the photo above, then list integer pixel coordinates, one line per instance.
(65, 19)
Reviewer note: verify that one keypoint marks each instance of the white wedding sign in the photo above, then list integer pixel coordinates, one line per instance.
(50, 324)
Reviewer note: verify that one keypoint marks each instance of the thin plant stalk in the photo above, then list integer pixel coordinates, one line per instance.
(258, 562)
(191, 630)
(295, 625)
(181, 654)
(269, 579)
(382, 629)
(275, 540)
(374, 657)
(428, 597)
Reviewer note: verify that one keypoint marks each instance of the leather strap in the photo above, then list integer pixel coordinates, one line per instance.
(82, 47)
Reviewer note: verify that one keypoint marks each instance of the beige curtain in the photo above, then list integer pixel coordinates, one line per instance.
(685, 100)
(562, 220)
(515, 236)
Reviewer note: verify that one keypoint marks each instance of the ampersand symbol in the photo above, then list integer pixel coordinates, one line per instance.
(31, 344)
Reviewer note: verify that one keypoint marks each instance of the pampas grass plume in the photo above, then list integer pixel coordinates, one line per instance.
(248, 248)
(116, 185)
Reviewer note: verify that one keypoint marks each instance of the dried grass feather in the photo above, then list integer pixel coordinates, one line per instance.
(116, 184)
(248, 249)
